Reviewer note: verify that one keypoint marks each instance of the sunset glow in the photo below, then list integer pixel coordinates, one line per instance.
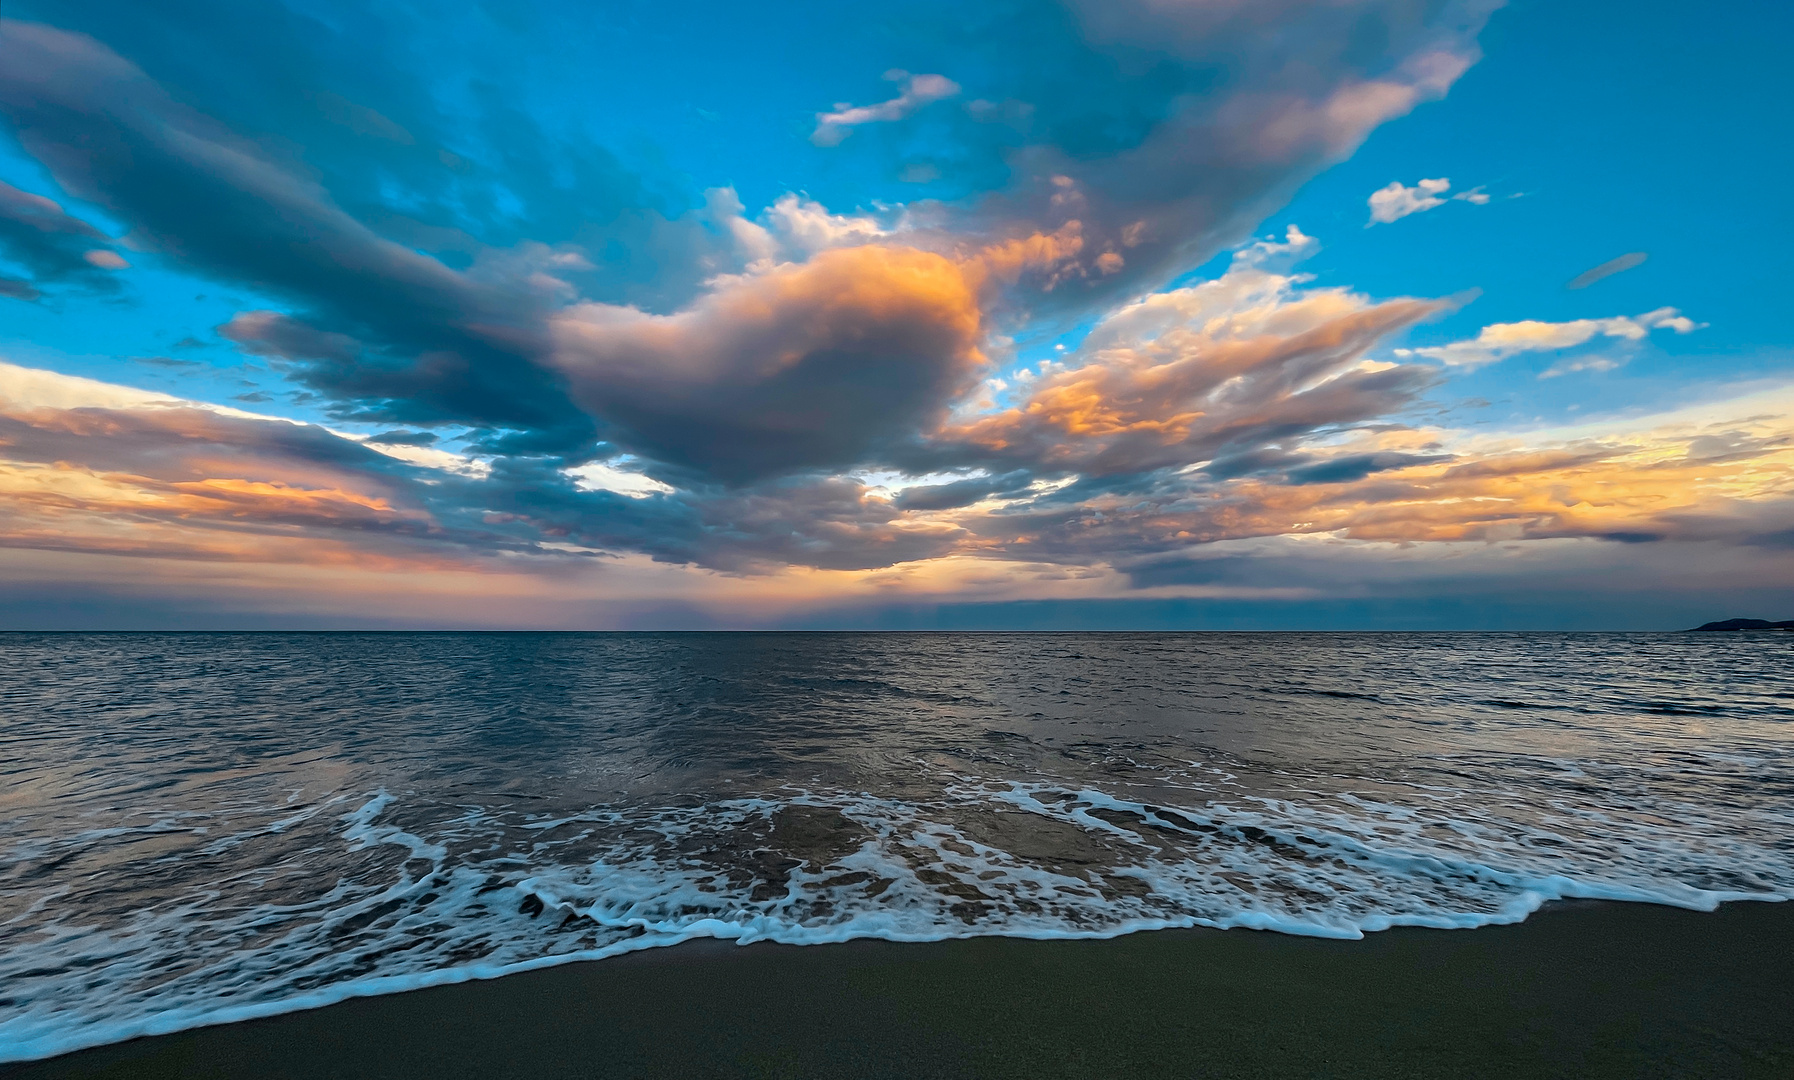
(925, 332)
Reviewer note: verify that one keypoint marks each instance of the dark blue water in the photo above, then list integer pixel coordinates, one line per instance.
(197, 828)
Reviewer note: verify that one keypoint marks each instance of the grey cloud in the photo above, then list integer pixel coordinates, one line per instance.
(405, 438)
(958, 493)
(44, 216)
(216, 201)
(399, 336)
(1766, 524)
(269, 333)
(1732, 446)
(1167, 130)
(527, 505)
(811, 366)
(824, 522)
(52, 245)
(159, 442)
(1253, 462)
(1607, 269)
(1533, 461)
(1579, 568)
(367, 122)
(1171, 128)
(1349, 467)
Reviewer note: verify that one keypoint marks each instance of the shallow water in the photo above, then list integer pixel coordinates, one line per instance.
(199, 828)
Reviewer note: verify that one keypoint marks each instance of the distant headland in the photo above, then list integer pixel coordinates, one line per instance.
(1747, 624)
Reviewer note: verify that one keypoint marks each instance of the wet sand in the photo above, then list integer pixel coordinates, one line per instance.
(1579, 990)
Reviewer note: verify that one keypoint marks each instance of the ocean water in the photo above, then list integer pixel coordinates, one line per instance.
(208, 827)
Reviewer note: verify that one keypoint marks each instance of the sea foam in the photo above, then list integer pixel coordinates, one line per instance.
(488, 894)
(203, 829)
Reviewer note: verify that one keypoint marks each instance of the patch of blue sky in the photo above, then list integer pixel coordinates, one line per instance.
(156, 333)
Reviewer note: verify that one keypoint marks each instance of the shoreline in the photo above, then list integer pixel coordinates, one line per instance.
(1579, 989)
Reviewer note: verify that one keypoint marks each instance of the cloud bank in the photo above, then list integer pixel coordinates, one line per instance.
(797, 404)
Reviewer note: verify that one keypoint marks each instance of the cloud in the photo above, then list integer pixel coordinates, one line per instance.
(792, 229)
(711, 391)
(1018, 483)
(481, 168)
(94, 470)
(546, 368)
(388, 333)
(804, 226)
(85, 466)
(1240, 407)
(270, 333)
(405, 438)
(1580, 363)
(1161, 178)
(1502, 340)
(918, 90)
(807, 365)
(360, 119)
(1606, 269)
(1211, 372)
(43, 215)
(608, 476)
(1397, 201)
(458, 343)
(52, 245)
(1648, 480)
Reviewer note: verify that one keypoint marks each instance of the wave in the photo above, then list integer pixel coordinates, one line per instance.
(298, 907)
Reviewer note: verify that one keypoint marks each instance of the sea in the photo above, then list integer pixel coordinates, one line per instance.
(201, 828)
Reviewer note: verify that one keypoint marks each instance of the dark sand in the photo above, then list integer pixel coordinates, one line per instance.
(1579, 990)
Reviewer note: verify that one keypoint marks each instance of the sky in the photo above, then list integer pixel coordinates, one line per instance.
(991, 314)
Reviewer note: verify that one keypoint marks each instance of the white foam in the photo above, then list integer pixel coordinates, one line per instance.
(368, 903)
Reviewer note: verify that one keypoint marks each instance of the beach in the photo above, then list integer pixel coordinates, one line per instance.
(977, 539)
(1581, 989)
(891, 856)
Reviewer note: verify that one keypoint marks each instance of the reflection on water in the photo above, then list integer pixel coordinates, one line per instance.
(197, 827)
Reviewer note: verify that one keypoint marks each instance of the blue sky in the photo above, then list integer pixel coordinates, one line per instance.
(622, 316)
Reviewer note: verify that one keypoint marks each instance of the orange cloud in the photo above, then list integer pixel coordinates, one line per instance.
(1664, 484)
(806, 364)
(68, 507)
(1005, 261)
(87, 467)
(1183, 376)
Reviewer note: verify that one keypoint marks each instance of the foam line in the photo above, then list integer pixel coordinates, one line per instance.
(315, 907)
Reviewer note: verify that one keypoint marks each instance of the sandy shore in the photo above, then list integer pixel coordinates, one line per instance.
(1579, 990)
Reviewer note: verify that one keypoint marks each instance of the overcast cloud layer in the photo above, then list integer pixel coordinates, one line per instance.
(541, 392)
